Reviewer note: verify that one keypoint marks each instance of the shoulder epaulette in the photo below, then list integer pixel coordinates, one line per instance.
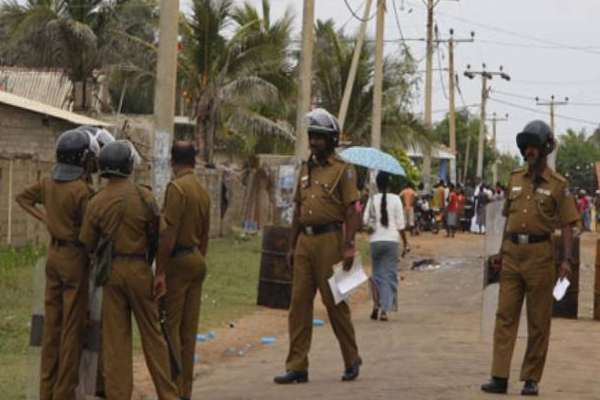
(176, 186)
(518, 171)
(558, 176)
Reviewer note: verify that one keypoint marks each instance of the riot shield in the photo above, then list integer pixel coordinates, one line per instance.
(36, 330)
(88, 367)
(491, 280)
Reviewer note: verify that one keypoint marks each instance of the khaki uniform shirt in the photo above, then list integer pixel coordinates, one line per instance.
(65, 203)
(103, 212)
(538, 208)
(186, 209)
(324, 194)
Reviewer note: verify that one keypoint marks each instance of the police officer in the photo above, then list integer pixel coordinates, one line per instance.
(127, 210)
(64, 195)
(184, 229)
(324, 199)
(538, 201)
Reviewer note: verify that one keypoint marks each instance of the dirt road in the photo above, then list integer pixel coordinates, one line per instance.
(431, 349)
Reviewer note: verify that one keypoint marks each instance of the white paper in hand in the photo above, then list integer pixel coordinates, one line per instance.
(561, 288)
(342, 283)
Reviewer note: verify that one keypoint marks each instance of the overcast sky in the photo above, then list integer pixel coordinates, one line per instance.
(546, 46)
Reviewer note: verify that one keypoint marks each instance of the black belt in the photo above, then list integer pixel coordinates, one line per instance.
(65, 243)
(525, 239)
(183, 250)
(319, 229)
(140, 256)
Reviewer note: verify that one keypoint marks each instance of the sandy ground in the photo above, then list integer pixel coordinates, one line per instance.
(431, 349)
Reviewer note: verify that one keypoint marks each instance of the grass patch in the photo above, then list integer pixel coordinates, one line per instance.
(229, 292)
(16, 304)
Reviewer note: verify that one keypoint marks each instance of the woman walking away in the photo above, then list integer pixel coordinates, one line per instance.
(385, 212)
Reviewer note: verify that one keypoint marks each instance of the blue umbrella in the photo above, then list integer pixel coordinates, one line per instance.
(373, 158)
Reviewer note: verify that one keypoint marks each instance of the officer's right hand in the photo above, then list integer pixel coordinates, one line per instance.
(290, 258)
(495, 262)
(160, 286)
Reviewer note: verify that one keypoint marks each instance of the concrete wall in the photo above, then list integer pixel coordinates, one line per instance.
(24, 132)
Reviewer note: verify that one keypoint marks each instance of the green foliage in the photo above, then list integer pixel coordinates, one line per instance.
(413, 174)
(507, 163)
(576, 157)
(467, 133)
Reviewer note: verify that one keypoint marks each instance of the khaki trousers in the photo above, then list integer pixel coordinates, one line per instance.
(527, 272)
(313, 261)
(65, 305)
(129, 289)
(185, 275)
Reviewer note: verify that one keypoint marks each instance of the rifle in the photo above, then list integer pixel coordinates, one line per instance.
(173, 357)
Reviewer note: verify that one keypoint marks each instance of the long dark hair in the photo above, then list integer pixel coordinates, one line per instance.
(383, 181)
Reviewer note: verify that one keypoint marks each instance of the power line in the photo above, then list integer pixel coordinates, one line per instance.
(533, 110)
(517, 34)
(361, 19)
(440, 69)
(533, 99)
(399, 27)
(533, 46)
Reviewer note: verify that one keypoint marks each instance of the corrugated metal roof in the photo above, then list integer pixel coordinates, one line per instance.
(40, 108)
(50, 87)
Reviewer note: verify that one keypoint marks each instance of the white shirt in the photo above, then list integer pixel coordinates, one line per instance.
(395, 218)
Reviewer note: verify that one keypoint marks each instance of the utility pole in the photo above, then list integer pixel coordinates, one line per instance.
(428, 89)
(495, 121)
(552, 103)
(485, 75)
(378, 84)
(304, 95)
(451, 96)
(353, 68)
(164, 93)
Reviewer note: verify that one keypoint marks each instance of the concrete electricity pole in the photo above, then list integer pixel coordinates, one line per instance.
(378, 84)
(353, 67)
(451, 96)
(485, 75)
(495, 121)
(428, 88)
(304, 95)
(164, 93)
(552, 103)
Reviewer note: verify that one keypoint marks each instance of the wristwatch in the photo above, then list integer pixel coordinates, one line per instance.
(350, 243)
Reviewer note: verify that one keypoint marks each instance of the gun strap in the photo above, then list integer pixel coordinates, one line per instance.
(113, 233)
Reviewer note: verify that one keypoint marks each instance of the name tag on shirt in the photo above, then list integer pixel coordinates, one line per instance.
(545, 192)
(517, 189)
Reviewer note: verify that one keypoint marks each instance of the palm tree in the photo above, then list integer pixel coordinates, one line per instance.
(333, 56)
(77, 36)
(234, 85)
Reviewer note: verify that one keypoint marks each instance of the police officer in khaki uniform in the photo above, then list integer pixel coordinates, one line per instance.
(184, 229)
(325, 199)
(64, 195)
(538, 201)
(130, 283)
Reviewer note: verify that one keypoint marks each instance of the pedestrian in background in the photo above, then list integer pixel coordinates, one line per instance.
(387, 210)
(408, 196)
(452, 214)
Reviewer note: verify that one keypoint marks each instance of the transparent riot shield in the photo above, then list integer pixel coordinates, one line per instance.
(494, 229)
(88, 367)
(36, 330)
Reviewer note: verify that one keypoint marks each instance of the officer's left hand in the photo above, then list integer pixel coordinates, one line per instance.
(565, 269)
(348, 258)
(160, 286)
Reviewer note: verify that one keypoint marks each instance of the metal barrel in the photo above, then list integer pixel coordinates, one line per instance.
(275, 282)
(568, 306)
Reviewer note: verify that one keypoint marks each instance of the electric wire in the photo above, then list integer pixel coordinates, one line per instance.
(536, 111)
(361, 19)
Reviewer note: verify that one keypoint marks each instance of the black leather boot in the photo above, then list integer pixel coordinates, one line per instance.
(291, 377)
(530, 388)
(495, 385)
(351, 373)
